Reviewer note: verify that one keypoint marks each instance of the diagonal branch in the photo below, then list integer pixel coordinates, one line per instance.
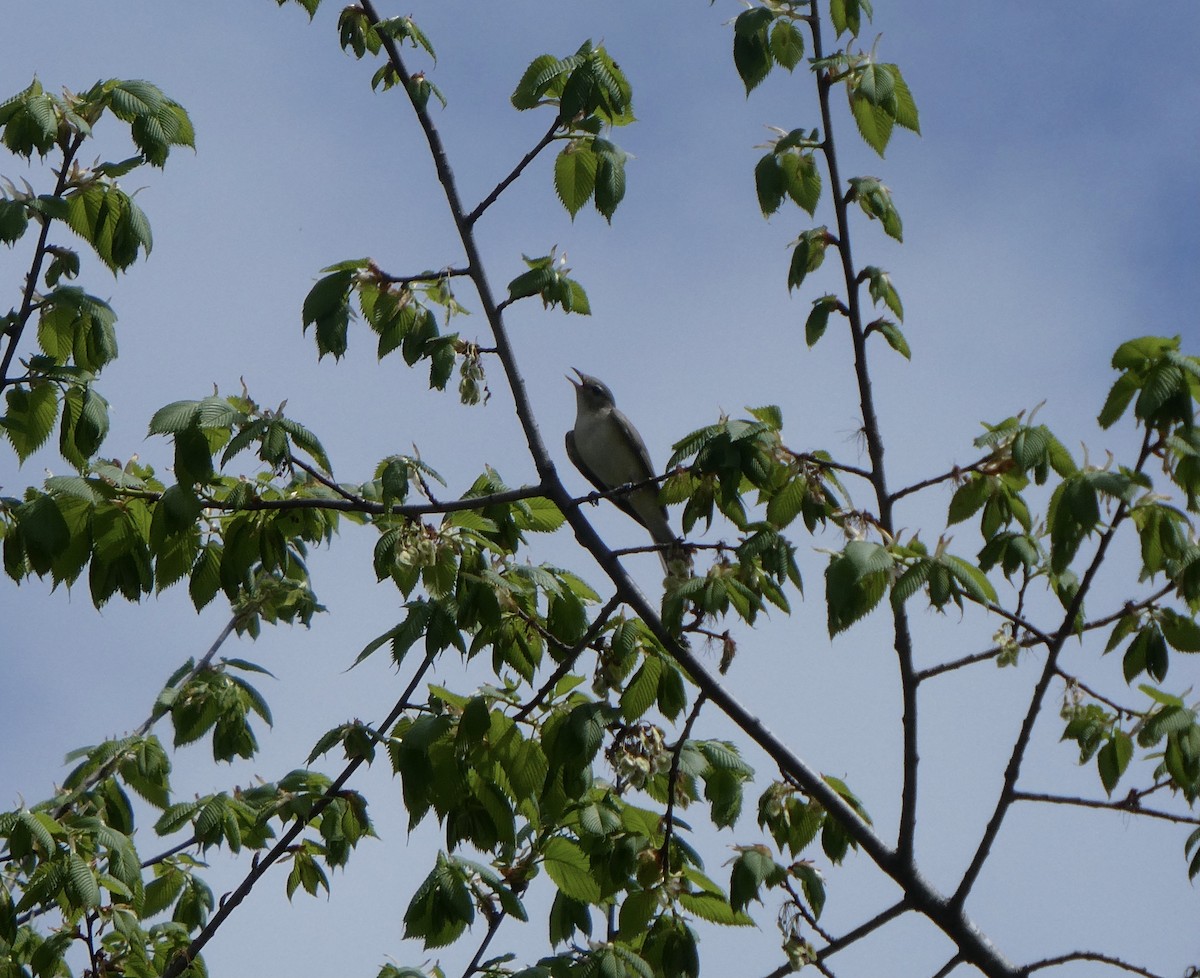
(1049, 670)
(975, 947)
(1090, 956)
(528, 158)
(35, 268)
(181, 961)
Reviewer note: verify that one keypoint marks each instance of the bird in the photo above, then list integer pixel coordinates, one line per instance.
(606, 447)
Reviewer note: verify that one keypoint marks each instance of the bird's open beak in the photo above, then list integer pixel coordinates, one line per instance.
(574, 382)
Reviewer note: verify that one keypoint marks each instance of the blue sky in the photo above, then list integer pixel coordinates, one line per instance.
(1050, 212)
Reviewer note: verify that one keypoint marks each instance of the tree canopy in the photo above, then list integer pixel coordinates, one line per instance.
(599, 770)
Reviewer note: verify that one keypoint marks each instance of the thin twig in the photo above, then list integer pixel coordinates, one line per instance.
(35, 267)
(495, 919)
(668, 819)
(423, 276)
(949, 966)
(1039, 638)
(1091, 956)
(184, 958)
(955, 474)
(516, 172)
(1128, 805)
(326, 481)
(865, 928)
(569, 661)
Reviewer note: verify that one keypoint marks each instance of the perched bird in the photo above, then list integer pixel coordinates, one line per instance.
(607, 449)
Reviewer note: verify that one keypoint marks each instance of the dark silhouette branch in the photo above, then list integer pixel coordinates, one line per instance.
(865, 928)
(528, 158)
(1090, 956)
(1130, 805)
(40, 251)
(231, 901)
(953, 475)
(423, 276)
(569, 661)
(902, 636)
(1049, 670)
(1029, 641)
(495, 919)
(668, 819)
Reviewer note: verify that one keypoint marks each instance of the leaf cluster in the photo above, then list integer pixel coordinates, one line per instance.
(592, 95)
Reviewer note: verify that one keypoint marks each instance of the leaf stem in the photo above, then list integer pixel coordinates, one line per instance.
(35, 267)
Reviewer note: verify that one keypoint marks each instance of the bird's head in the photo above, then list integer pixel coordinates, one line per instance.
(590, 392)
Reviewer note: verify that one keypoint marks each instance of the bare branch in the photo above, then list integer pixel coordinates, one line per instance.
(1091, 956)
(1130, 805)
(865, 928)
(516, 172)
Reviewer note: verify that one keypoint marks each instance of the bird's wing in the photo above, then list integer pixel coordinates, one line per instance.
(621, 501)
(639, 445)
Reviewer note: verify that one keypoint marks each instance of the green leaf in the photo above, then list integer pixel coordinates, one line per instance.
(904, 107)
(895, 338)
(769, 184)
(751, 53)
(714, 908)
(14, 219)
(807, 255)
(876, 201)
(610, 178)
(855, 581)
(802, 179)
(818, 319)
(1113, 759)
(30, 121)
(787, 44)
(1182, 633)
(30, 416)
(327, 307)
(575, 175)
(569, 868)
(108, 219)
(174, 417)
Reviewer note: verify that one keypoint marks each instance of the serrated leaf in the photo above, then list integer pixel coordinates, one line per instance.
(575, 176)
(30, 416)
(570, 870)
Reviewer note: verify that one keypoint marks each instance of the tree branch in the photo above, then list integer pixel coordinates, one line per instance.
(865, 928)
(1090, 956)
(230, 903)
(902, 637)
(976, 947)
(664, 851)
(516, 172)
(422, 276)
(565, 666)
(35, 267)
(955, 474)
(1128, 805)
(1065, 630)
